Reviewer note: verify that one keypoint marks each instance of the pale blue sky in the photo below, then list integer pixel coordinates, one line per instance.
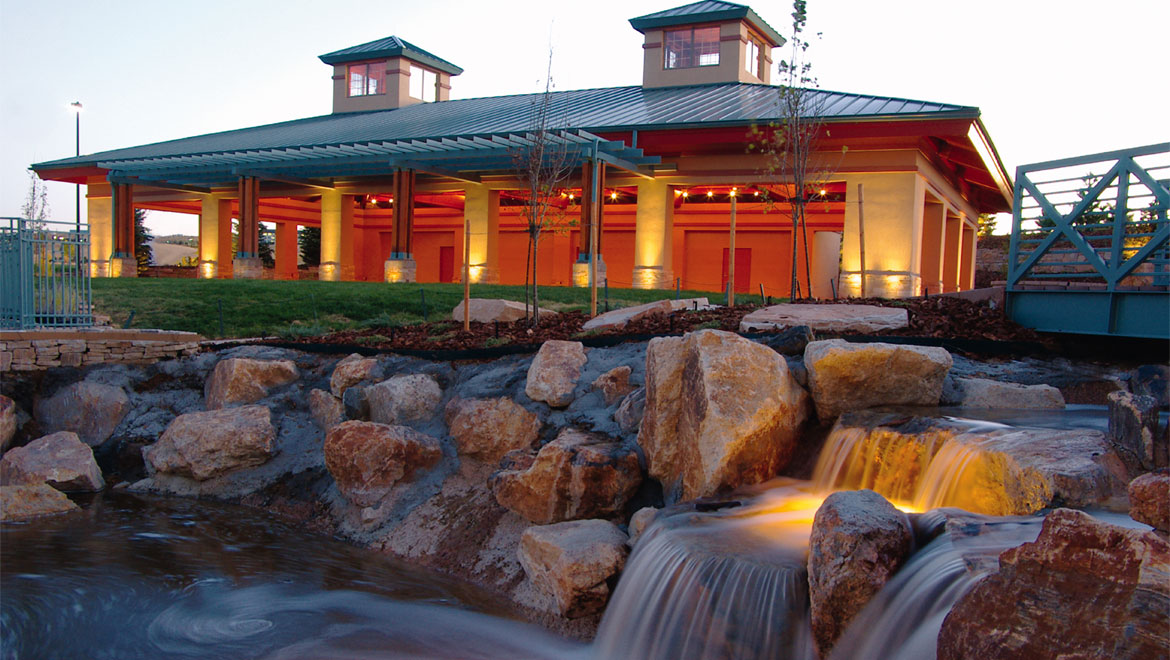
(1054, 78)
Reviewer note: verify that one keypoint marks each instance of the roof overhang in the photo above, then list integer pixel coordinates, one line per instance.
(667, 19)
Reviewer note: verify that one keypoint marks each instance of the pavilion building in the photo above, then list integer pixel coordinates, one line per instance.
(406, 184)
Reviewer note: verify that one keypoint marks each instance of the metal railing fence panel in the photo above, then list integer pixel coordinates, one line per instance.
(44, 275)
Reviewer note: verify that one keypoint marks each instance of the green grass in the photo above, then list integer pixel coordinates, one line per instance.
(304, 308)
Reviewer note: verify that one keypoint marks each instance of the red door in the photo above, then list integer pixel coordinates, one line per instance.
(743, 270)
(447, 263)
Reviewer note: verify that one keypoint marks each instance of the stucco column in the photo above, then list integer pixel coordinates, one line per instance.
(227, 254)
(653, 236)
(348, 248)
(330, 269)
(952, 251)
(481, 211)
(893, 233)
(100, 214)
(213, 213)
(286, 251)
(967, 259)
(934, 220)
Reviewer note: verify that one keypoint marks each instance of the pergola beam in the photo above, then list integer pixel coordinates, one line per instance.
(267, 175)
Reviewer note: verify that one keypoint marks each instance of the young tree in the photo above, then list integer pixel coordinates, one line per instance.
(542, 166)
(36, 205)
(789, 144)
(267, 246)
(309, 244)
(143, 253)
(986, 225)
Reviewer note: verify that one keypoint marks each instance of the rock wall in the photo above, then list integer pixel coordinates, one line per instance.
(29, 350)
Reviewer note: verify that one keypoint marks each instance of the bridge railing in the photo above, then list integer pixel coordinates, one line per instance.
(1093, 225)
(44, 274)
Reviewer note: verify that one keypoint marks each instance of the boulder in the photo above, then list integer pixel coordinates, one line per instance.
(487, 429)
(327, 410)
(574, 562)
(403, 399)
(844, 376)
(554, 372)
(202, 445)
(789, 341)
(859, 540)
(1152, 380)
(629, 413)
(578, 475)
(367, 459)
(641, 519)
(721, 411)
(244, 380)
(983, 393)
(1134, 432)
(7, 421)
(614, 384)
(488, 310)
(31, 501)
(619, 318)
(351, 371)
(91, 410)
(1149, 500)
(693, 304)
(60, 459)
(835, 319)
(1084, 589)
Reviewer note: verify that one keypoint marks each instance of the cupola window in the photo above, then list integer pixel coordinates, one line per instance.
(367, 79)
(422, 84)
(692, 47)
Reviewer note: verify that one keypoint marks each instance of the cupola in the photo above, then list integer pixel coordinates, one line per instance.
(387, 73)
(710, 41)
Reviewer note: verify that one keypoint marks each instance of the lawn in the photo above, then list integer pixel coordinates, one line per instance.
(251, 308)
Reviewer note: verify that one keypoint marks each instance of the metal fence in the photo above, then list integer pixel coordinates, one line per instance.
(44, 274)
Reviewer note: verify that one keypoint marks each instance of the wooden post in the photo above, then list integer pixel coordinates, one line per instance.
(466, 274)
(594, 219)
(861, 235)
(731, 258)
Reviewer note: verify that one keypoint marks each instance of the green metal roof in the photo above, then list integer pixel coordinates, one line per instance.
(705, 11)
(389, 47)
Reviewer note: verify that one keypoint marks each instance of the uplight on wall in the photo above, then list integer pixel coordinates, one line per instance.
(207, 270)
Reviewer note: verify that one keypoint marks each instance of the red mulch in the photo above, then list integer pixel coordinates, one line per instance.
(938, 317)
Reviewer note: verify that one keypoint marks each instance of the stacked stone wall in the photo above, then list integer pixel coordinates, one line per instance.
(31, 350)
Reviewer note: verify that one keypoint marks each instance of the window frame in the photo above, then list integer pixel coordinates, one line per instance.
(754, 64)
(695, 57)
(366, 78)
(425, 74)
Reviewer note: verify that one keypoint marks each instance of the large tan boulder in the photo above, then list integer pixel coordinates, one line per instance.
(614, 384)
(326, 410)
(573, 561)
(554, 372)
(1134, 432)
(859, 540)
(843, 376)
(367, 459)
(578, 475)
(7, 421)
(1084, 589)
(203, 445)
(486, 429)
(620, 318)
(59, 459)
(403, 399)
(488, 310)
(1149, 499)
(721, 411)
(26, 501)
(351, 371)
(984, 393)
(91, 410)
(244, 380)
(833, 319)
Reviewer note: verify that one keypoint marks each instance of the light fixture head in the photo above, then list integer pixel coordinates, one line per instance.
(76, 106)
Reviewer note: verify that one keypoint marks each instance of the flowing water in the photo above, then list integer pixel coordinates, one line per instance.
(135, 577)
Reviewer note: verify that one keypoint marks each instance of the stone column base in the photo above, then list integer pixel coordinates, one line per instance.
(482, 274)
(652, 277)
(400, 270)
(123, 267)
(99, 268)
(582, 271)
(329, 271)
(247, 268)
(879, 284)
(208, 270)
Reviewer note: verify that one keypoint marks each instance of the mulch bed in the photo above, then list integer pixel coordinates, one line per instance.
(939, 318)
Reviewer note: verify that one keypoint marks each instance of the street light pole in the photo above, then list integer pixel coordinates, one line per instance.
(76, 105)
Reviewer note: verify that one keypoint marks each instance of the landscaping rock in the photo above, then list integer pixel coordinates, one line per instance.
(1084, 589)
(1134, 432)
(7, 421)
(355, 404)
(844, 376)
(859, 540)
(489, 310)
(32, 501)
(789, 341)
(60, 459)
(983, 393)
(1152, 380)
(244, 380)
(403, 399)
(574, 562)
(351, 371)
(641, 519)
(837, 319)
(1149, 500)
(619, 318)
(487, 429)
(202, 445)
(721, 411)
(629, 413)
(91, 410)
(367, 459)
(554, 372)
(578, 475)
(692, 304)
(614, 384)
(327, 410)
